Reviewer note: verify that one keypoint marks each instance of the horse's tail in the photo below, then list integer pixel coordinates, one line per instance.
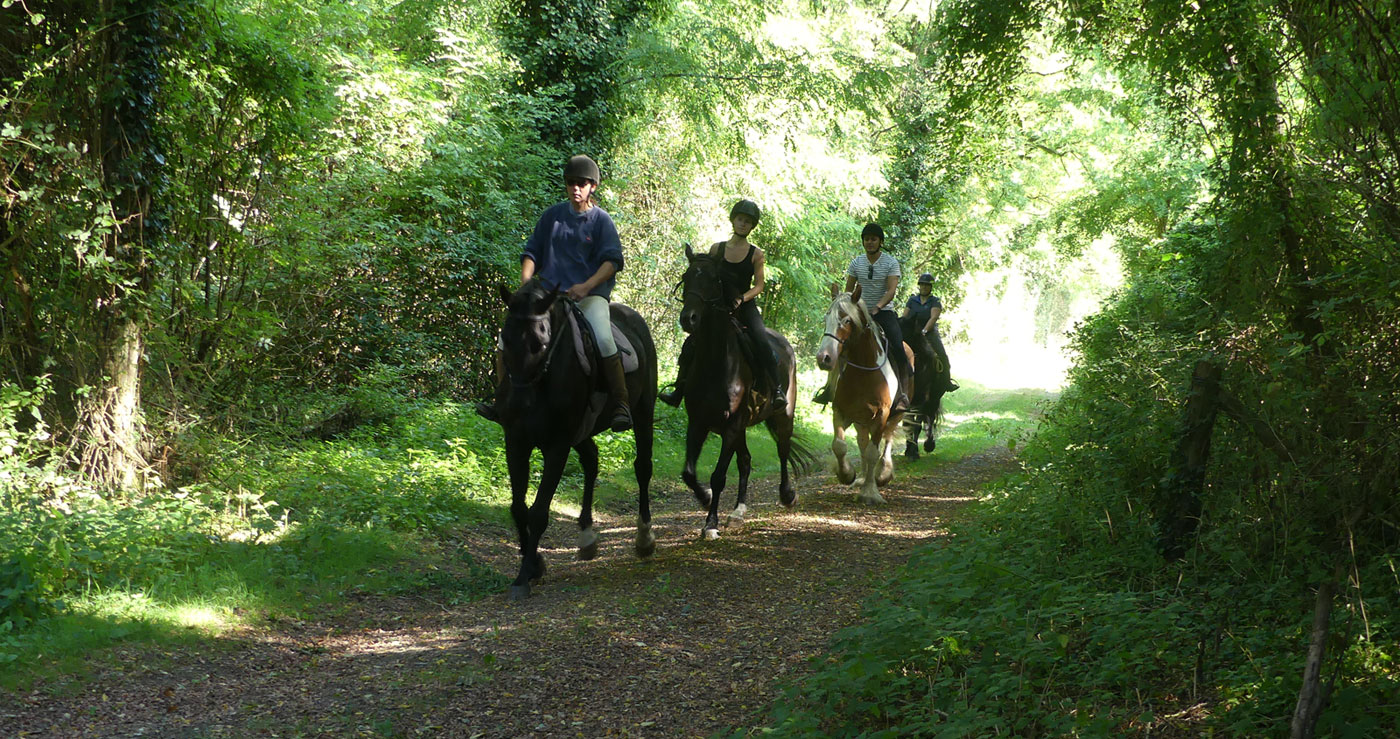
(802, 456)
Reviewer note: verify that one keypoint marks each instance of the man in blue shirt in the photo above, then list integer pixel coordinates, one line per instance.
(575, 248)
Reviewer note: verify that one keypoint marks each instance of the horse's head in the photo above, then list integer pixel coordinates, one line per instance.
(526, 336)
(846, 318)
(701, 288)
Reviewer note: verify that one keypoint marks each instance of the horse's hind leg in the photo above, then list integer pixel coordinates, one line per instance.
(869, 459)
(741, 502)
(913, 423)
(587, 536)
(643, 434)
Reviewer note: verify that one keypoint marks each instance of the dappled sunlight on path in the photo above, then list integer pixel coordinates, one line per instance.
(693, 641)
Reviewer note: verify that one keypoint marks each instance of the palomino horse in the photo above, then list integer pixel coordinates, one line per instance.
(863, 394)
(926, 402)
(554, 404)
(720, 397)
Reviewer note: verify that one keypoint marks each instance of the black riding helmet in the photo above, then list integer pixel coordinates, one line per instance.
(748, 208)
(926, 277)
(582, 167)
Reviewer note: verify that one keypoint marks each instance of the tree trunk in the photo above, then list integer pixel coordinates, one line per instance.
(1312, 697)
(108, 430)
(1179, 494)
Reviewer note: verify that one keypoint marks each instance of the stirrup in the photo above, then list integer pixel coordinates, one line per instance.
(672, 398)
(951, 386)
(823, 396)
(622, 419)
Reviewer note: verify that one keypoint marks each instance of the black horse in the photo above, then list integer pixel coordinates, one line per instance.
(553, 405)
(720, 396)
(931, 376)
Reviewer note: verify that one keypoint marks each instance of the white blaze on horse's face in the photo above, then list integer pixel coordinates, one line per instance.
(839, 321)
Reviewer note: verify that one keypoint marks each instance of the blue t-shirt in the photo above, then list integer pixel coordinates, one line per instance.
(920, 310)
(569, 247)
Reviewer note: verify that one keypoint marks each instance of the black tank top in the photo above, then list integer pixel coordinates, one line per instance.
(737, 276)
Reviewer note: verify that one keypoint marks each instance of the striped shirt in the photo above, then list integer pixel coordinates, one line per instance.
(872, 281)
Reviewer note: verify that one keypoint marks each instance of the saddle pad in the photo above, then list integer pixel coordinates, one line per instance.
(586, 353)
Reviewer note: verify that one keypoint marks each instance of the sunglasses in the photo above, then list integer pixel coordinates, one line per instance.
(871, 274)
(576, 181)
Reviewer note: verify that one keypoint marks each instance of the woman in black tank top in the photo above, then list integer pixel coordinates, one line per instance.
(743, 282)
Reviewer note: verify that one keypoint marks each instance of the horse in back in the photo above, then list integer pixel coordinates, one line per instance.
(931, 376)
(721, 397)
(555, 404)
(864, 392)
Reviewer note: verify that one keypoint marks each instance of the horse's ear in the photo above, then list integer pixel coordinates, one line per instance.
(855, 294)
(835, 289)
(547, 301)
(505, 294)
(689, 252)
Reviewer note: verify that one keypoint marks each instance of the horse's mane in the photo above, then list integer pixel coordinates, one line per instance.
(858, 307)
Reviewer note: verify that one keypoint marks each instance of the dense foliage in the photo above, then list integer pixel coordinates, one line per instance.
(236, 231)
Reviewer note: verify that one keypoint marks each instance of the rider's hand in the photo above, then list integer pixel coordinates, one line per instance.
(577, 292)
(734, 304)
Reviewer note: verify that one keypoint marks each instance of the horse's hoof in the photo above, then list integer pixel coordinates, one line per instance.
(518, 593)
(646, 544)
(703, 496)
(710, 534)
(736, 517)
(788, 497)
(846, 476)
(587, 544)
(872, 499)
(911, 450)
(929, 444)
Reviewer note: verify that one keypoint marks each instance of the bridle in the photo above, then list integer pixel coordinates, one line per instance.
(883, 352)
(543, 368)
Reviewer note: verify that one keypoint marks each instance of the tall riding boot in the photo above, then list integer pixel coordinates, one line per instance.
(492, 412)
(617, 387)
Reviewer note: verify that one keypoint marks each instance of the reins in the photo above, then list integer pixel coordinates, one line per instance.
(554, 344)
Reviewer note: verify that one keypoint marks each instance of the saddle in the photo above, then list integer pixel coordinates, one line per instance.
(586, 344)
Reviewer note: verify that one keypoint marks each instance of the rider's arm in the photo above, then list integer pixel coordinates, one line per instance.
(891, 287)
(605, 272)
(850, 283)
(933, 315)
(527, 269)
(757, 288)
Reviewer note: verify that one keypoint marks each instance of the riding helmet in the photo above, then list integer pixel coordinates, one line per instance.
(582, 167)
(925, 277)
(748, 208)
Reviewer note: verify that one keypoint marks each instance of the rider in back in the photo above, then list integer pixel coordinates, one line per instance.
(925, 308)
(575, 247)
(741, 267)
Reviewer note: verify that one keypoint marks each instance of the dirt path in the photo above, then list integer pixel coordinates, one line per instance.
(695, 641)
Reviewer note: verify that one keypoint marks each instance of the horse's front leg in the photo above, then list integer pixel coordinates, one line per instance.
(780, 428)
(885, 446)
(587, 536)
(695, 435)
(869, 458)
(717, 480)
(531, 564)
(845, 473)
(538, 517)
(741, 503)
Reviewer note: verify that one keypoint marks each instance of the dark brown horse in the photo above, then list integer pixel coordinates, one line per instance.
(863, 394)
(554, 405)
(721, 397)
(931, 376)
